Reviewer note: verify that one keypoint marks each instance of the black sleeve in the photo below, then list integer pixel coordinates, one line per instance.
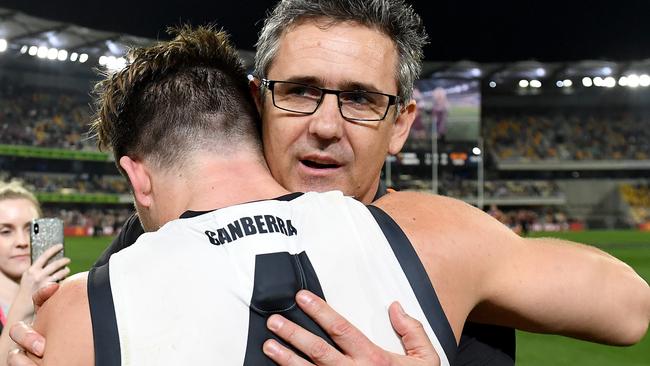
(131, 231)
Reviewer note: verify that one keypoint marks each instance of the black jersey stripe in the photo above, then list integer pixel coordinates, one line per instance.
(419, 280)
(102, 313)
(287, 197)
(278, 277)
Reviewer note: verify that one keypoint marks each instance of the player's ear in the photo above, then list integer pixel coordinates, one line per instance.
(254, 84)
(140, 179)
(402, 127)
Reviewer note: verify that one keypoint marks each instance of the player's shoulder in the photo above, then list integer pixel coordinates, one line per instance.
(72, 290)
(64, 320)
(421, 203)
(65, 305)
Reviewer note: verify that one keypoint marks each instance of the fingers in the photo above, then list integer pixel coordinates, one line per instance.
(42, 294)
(18, 358)
(55, 265)
(282, 355)
(47, 254)
(59, 275)
(346, 336)
(27, 338)
(414, 337)
(311, 345)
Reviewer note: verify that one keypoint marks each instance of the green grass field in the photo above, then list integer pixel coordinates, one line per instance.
(632, 247)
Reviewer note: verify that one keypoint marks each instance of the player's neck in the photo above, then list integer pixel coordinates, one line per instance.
(227, 182)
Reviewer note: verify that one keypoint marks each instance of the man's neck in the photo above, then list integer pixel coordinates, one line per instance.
(217, 183)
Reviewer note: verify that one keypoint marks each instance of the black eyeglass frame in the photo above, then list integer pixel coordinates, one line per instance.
(392, 99)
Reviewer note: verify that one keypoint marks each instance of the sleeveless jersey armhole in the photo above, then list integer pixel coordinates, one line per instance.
(102, 313)
(419, 280)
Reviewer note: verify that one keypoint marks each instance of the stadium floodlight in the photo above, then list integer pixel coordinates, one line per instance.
(586, 82)
(609, 82)
(23, 49)
(535, 84)
(32, 50)
(42, 52)
(3, 45)
(74, 56)
(644, 80)
(102, 60)
(62, 55)
(559, 83)
(475, 72)
(83, 58)
(52, 53)
(568, 83)
(523, 83)
(115, 63)
(493, 84)
(607, 70)
(622, 81)
(598, 81)
(633, 81)
(540, 72)
(476, 150)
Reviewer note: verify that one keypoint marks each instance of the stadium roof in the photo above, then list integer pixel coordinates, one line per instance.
(19, 30)
(54, 39)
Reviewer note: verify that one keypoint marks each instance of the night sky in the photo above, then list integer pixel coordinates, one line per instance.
(486, 31)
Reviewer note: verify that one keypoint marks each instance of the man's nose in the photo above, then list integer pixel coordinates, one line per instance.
(327, 123)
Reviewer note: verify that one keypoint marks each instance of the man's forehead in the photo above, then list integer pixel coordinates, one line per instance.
(342, 53)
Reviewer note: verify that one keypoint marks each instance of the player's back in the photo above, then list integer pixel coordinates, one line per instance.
(199, 290)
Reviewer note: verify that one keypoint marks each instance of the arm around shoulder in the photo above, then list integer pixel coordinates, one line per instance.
(540, 285)
(65, 322)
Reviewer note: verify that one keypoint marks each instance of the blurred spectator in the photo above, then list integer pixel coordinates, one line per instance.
(535, 219)
(45, 118)
(70, 183)
(576, 136)
(637, 196)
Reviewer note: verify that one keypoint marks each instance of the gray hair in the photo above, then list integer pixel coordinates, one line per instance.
(394, 18)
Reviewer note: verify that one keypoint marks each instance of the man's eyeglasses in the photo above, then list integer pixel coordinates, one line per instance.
(354, 105)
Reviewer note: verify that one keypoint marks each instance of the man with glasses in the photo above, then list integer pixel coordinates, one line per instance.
(355, 105)
(343, 72)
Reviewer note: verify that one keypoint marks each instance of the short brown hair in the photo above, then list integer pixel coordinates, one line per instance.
(187, 94)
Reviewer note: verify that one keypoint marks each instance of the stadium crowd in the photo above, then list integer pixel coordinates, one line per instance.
(69, 183)
(637, 197)
(460, 187)
(44, 118)
(568, 136)
(526, 220)
(463, 188)
(91, 221)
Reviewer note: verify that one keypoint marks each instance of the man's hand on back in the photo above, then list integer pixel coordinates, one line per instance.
(358, 350)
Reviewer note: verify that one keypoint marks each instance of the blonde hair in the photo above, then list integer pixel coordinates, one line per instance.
(15, 190)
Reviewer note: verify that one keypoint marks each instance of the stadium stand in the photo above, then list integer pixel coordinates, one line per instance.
(44, 118)
(577, 136)
(637, 197)
(556, 152)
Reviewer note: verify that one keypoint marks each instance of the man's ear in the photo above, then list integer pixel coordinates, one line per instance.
(140, 180)
(254, 86)
(402, 127)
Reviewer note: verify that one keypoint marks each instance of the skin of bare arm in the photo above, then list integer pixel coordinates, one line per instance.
(483, 271)
(64, 320)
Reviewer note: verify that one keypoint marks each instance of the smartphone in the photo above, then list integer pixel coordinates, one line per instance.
(46, 232)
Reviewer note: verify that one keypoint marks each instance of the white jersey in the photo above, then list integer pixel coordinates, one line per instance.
(199, 290)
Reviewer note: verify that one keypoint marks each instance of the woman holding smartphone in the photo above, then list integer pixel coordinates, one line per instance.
(19, 278)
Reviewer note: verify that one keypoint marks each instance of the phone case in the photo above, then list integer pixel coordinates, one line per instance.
(44, 233)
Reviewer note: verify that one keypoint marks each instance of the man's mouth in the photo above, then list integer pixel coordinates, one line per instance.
(318, 165)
